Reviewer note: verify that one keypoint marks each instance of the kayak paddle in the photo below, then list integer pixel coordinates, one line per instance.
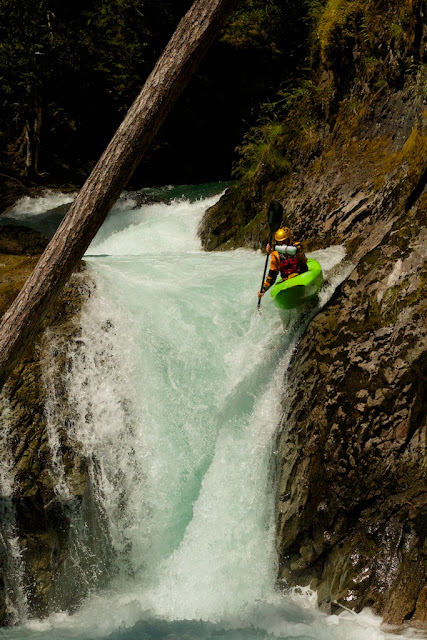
(274, 217)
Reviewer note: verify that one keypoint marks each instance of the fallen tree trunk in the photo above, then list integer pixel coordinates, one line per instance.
(171, 74)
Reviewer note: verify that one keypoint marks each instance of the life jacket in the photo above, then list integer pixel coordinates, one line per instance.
(288, 265)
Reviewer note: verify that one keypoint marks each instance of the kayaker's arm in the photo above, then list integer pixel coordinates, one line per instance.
(271, 279)
(272, 274)
(300, 253)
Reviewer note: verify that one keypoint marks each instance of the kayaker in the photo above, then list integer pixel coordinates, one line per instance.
(289, 262)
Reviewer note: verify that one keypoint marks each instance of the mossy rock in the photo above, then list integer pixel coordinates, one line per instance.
(42, 516)
(16, 240)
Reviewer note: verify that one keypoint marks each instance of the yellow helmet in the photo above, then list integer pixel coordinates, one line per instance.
(283, 234)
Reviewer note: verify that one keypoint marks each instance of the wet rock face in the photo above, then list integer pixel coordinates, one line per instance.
(352, 494)
(351, 503)
(352, 500)
(21, 241)
(46, 475)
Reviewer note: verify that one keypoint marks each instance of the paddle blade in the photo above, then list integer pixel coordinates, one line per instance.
(275, 215)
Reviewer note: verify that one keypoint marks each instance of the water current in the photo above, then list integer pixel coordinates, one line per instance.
(178, 389)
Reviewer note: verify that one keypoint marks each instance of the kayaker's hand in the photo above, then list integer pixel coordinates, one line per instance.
(260, 294)
(268, 248)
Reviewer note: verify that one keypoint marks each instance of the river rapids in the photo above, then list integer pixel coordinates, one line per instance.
(179, 385)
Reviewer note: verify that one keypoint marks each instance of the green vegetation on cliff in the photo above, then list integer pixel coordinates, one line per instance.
(365, 61)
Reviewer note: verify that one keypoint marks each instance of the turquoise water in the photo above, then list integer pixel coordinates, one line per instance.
(177, 393)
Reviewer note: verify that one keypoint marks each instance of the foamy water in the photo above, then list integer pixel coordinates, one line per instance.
(177, 393)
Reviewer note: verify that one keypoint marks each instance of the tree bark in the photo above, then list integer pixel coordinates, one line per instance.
(37, 128)
(171, 74)
(32, 131)
(28, 148)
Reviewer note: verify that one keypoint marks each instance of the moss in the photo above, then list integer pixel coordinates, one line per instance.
(250, 27)
(336, 22)
(414, 151)
(344, 22)
(397, 31)
(14, 270)
(406, 292)
(397, 297)
(376, 156)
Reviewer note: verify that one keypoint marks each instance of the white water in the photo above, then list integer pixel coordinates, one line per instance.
(178, 388)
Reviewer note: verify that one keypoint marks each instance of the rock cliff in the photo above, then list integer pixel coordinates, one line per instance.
(352, 495)
(352, 500)
(46, 482)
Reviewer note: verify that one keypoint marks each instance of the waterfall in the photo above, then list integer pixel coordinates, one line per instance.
(16, 597)
(176, 383)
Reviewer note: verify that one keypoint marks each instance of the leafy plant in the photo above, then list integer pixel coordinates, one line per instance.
(268, 146)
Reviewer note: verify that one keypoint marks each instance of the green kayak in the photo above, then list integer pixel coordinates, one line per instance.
(290, 293)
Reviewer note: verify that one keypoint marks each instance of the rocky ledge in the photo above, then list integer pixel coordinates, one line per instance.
(352, 495)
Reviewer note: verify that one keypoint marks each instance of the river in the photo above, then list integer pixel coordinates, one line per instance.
(178, 389)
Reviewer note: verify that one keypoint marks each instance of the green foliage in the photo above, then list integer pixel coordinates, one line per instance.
(397, 30)
(270, 27)
(282, 125)
(349, 45)
(314, 10)
(341, 20)
(339, 24)
(301, 93)
(260, 152)
(266, 148)
(251, 25)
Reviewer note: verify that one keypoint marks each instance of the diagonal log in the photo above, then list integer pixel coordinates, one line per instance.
(173, 70)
